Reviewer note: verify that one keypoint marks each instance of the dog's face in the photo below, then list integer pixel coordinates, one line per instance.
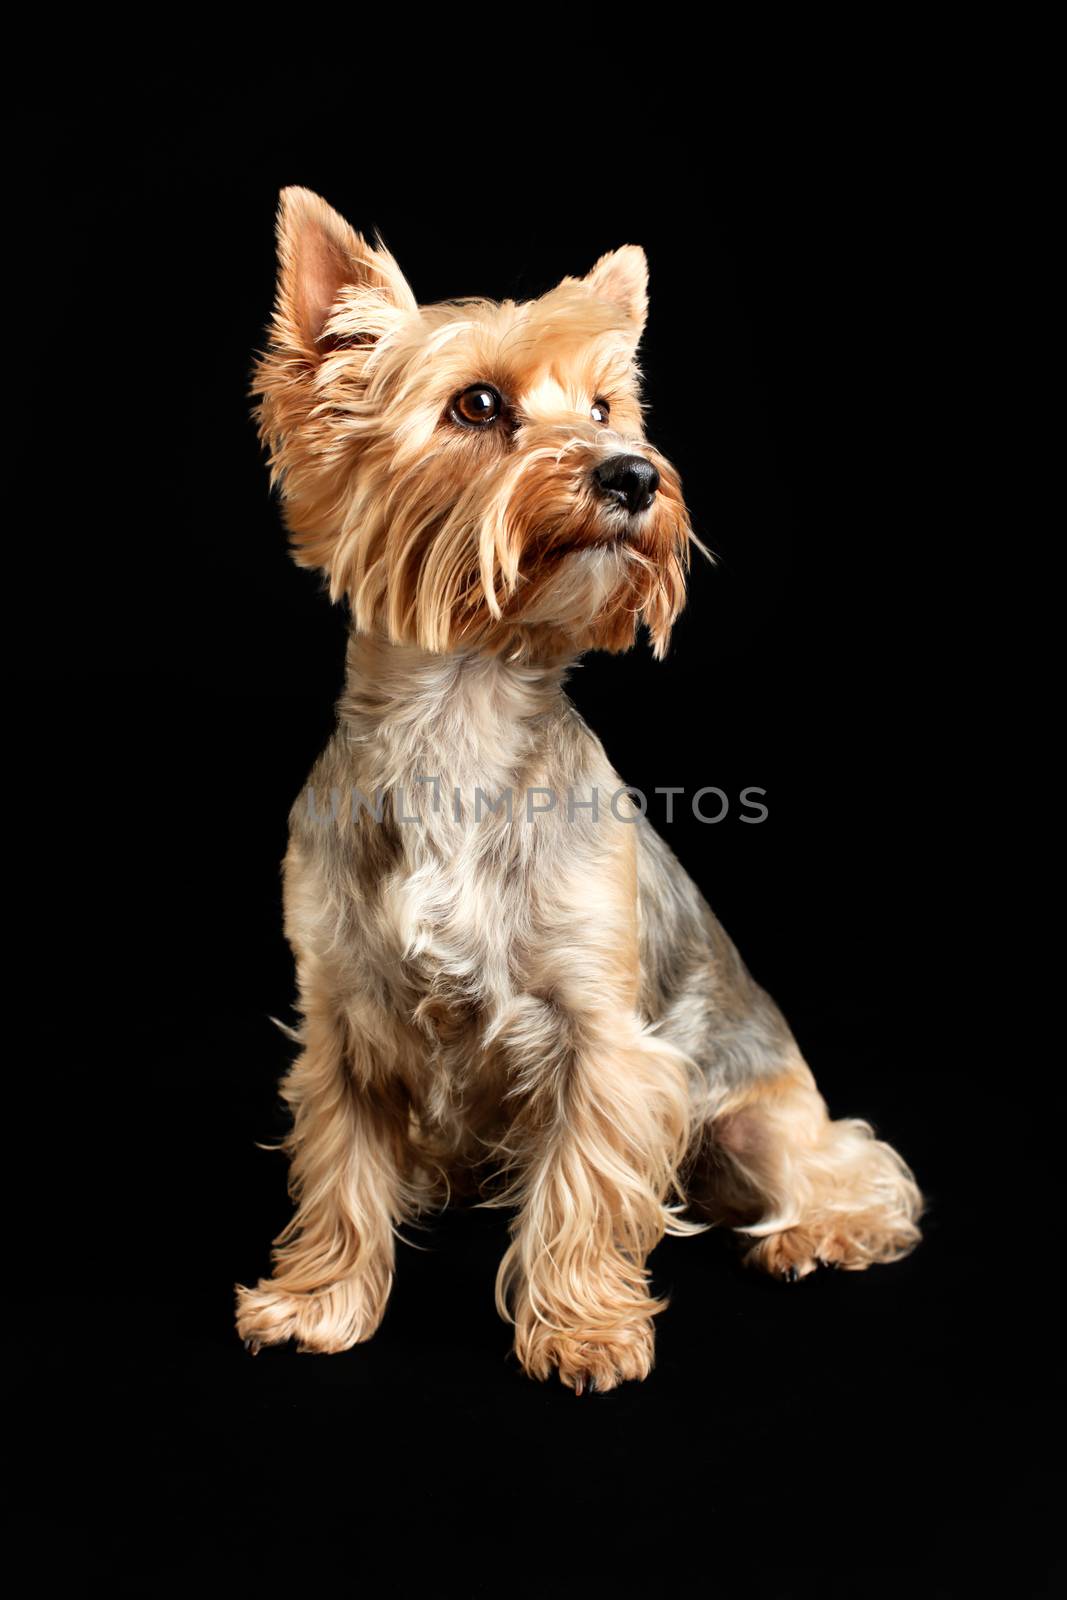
(470, 474)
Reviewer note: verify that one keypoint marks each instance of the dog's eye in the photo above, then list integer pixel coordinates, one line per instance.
(477, 405)
(601, 410)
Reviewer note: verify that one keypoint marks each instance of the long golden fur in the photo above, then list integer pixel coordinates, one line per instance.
(532, 1002)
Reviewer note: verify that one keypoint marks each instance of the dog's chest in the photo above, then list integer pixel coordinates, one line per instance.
(454, 904)
(466, 751)
(457, 903)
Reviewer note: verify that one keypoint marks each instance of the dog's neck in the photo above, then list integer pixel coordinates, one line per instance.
(465, 717)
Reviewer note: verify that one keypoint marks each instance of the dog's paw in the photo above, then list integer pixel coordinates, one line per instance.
(324, 1321)
(852, 1244)
(589, 1362)
(790, 1255)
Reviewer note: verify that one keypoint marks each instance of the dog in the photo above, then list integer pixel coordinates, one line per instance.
(531, 1004)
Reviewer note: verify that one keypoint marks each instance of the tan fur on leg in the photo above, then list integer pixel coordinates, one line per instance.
(333, 1261)
(605, 1127)
(593, 1207)
(821, 1191)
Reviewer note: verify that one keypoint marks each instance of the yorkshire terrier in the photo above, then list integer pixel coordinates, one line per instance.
(528, 1002)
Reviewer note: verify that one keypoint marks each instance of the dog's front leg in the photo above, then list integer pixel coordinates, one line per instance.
(333, 1261)
(598, 1142)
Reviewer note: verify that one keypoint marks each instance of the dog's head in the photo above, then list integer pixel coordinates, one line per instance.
(470, 474)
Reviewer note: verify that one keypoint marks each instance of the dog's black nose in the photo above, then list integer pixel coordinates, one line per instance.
(631, 481)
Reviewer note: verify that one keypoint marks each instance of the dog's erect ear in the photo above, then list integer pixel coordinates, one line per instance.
(338, 297)
(330, 280)
(621, 277)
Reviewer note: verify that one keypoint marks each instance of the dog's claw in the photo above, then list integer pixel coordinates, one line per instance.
(792, 1275)
(253, 1346)
(579, 1385)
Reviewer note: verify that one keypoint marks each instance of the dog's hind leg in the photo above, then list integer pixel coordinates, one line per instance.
(766, 1157)
(806, 1190)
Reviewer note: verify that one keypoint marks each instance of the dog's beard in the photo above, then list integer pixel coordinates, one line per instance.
(520, 555)
(580, 588)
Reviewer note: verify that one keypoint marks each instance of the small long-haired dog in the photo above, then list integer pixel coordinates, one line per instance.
(531, 1002)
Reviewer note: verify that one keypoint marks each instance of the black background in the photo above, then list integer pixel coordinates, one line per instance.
(808, 360)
